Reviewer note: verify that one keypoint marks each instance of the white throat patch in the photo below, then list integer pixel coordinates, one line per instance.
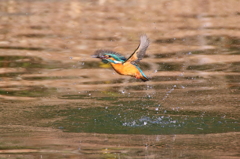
(117, 61)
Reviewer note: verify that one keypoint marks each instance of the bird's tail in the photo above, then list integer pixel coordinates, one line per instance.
(144, 79)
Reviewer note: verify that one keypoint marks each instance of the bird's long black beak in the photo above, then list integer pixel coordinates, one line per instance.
(95, 56)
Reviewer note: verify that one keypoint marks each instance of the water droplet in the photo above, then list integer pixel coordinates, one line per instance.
(181, 75)
(156, 109)
(145, 123)
(157, 138)
(182, 87)
(134, 123)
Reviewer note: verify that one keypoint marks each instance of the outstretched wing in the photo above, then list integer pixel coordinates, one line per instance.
(138, 54)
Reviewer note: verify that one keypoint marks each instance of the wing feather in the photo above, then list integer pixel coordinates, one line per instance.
(138, 54)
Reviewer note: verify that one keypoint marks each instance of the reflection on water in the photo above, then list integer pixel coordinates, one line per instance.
(138, 119)
(58, 101)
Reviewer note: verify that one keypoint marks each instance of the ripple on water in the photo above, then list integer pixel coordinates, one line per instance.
(135, 121)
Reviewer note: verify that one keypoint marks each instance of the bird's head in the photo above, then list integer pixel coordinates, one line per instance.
(109, 56)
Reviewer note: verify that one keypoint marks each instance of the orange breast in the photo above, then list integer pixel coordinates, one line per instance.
(125, 69)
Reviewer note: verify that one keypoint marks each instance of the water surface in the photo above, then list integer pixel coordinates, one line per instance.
(58, 102)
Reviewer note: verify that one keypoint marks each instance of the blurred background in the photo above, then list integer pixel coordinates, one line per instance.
(56, 101)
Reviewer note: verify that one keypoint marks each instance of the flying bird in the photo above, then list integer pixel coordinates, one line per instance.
(126, 66)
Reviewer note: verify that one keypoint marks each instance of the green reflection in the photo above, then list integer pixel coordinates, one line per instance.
(129, 119)
(216, 67)
(28, 62)
(169, 67)
(28, 91)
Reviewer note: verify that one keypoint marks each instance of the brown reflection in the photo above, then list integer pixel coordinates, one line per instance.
(45, 49)
(63, 34)
(74, 145)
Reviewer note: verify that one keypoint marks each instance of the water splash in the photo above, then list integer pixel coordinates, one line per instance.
(162, 121)
(122, 91)
(169, 92)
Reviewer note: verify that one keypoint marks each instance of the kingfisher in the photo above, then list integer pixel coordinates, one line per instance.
(126, 66)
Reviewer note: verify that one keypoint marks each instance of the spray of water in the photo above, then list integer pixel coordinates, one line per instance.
(169, 92)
